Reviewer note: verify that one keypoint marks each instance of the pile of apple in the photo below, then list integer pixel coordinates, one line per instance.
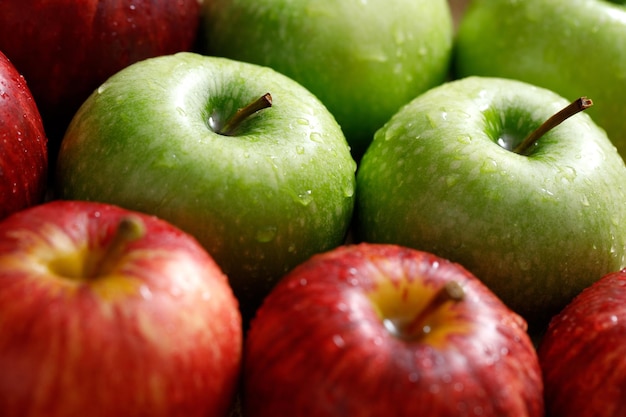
(312, 208)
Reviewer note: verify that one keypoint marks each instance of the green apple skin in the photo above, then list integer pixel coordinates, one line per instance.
(260, 201)
(573, 47)
(363, 59)
(537, 229)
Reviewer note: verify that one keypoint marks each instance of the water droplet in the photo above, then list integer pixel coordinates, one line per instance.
(584, 200)
(338, 341)
(305, 198)
(266, 234)
(488, 166)
(316, 137)
(145, 292)
(299, 150)
(181, 111)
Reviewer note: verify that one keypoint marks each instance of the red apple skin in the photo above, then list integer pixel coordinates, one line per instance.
(583, 353)
(159, 336)
(318, 347)
(66, 48)
(23, 144)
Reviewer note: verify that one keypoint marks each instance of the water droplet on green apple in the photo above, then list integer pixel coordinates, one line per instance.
(266, 234)
(299, 150)
(452, 180)
(302, 121)
(489, 166)
(316, 137)
(584, 200)
(399, 36)
(304, 198)
(524, 264)
(181, 111)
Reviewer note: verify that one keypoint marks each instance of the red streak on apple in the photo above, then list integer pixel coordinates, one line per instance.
(136, 340)
(319, 345)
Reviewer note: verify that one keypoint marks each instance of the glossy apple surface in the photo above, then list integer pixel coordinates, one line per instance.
(537, 228)
(362, 330)
(362, 59)
(260, 200)
(23, 144)
(573, 47)
(94, 326)
(67, 48)
(583, 353)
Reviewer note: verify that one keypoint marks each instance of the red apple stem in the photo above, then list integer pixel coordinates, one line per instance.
(263, 102)
(452, 291)
(129, 229)
(570, 110)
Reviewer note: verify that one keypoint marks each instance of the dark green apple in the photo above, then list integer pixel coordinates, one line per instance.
(573, 47)
(536, 225)
(363, 58)
(261, 192)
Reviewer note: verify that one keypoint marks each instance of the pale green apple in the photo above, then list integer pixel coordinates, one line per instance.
(363, 58)
(536, 227)
(260, 199)
(573, 47)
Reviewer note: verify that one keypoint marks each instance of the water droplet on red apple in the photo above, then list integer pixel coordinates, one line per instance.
(338, 341)
(145, 292)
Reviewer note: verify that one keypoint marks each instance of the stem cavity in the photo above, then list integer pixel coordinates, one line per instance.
(417, 327)
(129, 229)
(573, 108)
(231, 125)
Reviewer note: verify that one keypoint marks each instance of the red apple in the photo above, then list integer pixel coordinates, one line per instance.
(583, 353)
(23, 144)
(108, 312)
(66, 48)
(375, 330)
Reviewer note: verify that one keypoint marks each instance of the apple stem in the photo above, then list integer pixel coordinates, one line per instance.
(129, 229)
(570, 110)
(263, 102)
(451, 291)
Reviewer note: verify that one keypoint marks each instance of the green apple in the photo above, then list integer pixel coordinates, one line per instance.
(536, 225)
(573, 47)
(261, 192)
(363, 58)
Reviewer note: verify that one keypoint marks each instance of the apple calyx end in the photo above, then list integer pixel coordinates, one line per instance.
(231, 125)
(451, 291)
(568, 111)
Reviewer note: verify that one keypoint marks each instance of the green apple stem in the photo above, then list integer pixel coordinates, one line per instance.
(573, 108)
(451, 291)
(243, 113)
(129, 229)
